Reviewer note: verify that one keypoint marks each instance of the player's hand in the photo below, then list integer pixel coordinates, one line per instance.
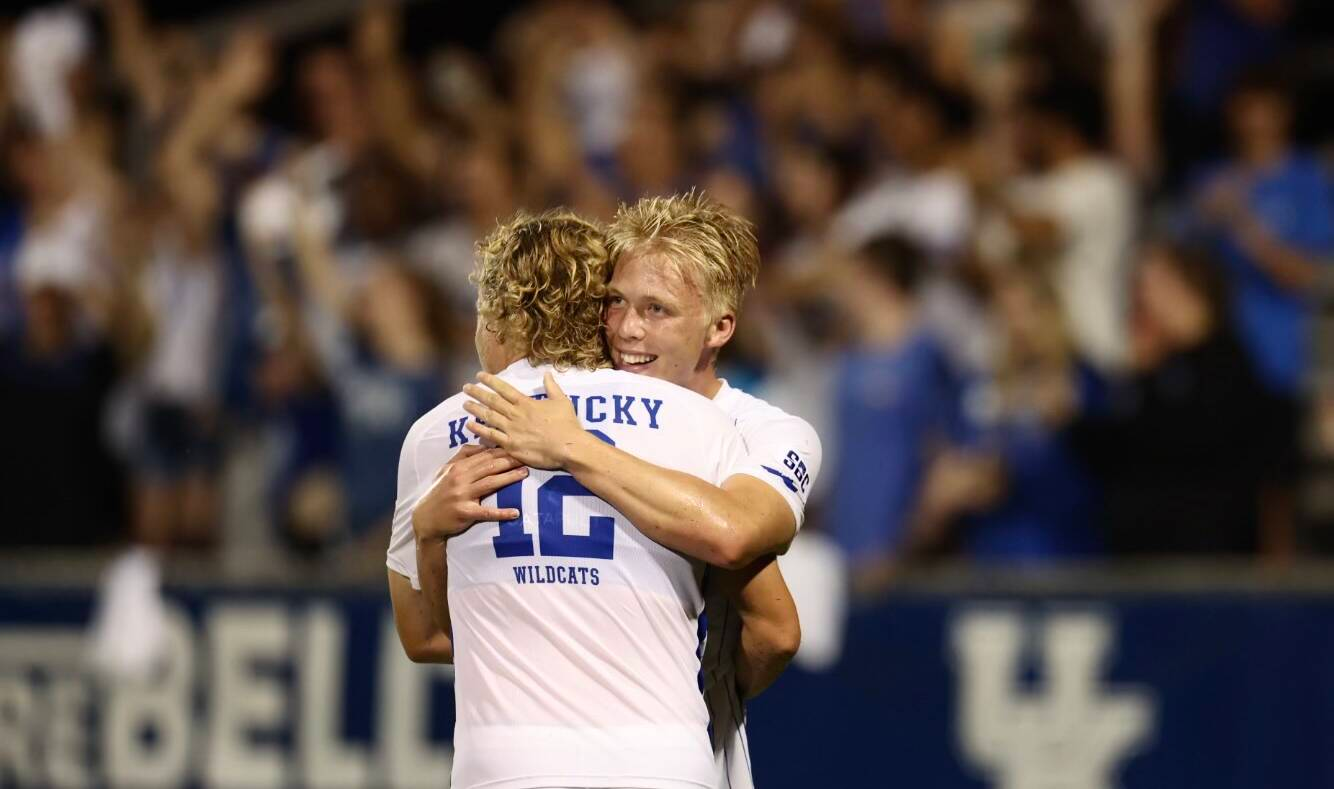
(538, 433)
(454, 501)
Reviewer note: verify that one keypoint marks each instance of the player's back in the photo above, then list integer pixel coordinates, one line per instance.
(576, 638)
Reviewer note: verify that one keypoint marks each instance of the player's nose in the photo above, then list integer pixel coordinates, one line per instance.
(628, 326)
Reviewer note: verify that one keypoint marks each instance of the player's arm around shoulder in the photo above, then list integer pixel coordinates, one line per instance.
(723, 526)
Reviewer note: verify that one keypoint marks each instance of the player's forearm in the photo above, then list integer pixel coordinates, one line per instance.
(422, 641)
(435, 648)
(770, 628)
(761, 658)
(433, 573)
(674, 509)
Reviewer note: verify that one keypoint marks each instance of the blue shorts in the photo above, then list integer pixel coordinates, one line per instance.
(174, 443)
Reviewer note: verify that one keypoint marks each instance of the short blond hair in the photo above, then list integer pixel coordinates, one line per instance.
(714, 247)
(541, 282)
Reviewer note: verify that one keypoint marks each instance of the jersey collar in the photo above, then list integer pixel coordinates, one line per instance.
(523, 370)
(724, 393)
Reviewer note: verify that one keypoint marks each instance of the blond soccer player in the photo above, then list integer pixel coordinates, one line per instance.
(680, 269)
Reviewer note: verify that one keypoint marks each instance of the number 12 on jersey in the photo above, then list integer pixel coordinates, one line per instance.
(513, 541)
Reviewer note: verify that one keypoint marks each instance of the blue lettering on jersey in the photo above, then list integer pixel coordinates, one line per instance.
(595, 416)
(598, 544)
(535, 574)
(456, 434)
(792, 486)
(798, 466)
(622, 405)
(511, 540)
(595, 410)
(652, 406)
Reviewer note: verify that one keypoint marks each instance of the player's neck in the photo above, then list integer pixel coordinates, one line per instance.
(706, 382)
(503, 360)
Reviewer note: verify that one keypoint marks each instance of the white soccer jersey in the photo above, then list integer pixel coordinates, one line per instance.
(784, 451)
(576, 638)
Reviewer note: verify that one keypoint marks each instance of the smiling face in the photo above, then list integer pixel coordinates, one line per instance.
(659, 324)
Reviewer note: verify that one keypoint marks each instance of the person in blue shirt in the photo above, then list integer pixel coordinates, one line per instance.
(894, 400)
(381, 353)
(1020, 414)
(1268, 215)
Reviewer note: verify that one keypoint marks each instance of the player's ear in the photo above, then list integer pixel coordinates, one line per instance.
(720, 331)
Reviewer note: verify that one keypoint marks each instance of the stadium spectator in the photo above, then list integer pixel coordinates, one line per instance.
(76, 335)
(379, 347)
(1020, 415)
(178, 258)
(1166, 446)
(894, 401)
(920, 192)
(1215, 42)
(1268, 213)
(1078, 210)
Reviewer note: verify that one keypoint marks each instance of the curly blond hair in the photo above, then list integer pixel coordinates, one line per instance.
(713, 247)
(541, 281)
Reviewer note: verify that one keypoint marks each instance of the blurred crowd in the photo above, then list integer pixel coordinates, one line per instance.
(1044, 274)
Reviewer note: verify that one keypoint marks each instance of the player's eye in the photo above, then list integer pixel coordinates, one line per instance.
(656, 309)
(615, 301)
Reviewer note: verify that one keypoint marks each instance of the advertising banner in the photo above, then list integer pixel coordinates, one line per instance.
(279, 688)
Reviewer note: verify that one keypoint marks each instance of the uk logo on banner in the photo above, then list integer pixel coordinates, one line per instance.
(1070, 728)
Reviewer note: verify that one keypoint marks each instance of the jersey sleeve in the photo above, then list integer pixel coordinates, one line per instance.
(785, 453)
(731, 451)
(402, 554)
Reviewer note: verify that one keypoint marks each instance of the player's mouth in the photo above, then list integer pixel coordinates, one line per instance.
(634, 362)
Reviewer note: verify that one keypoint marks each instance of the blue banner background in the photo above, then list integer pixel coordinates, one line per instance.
(1240, 687)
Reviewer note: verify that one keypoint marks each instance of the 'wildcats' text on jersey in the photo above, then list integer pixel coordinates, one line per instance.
(576, 638)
